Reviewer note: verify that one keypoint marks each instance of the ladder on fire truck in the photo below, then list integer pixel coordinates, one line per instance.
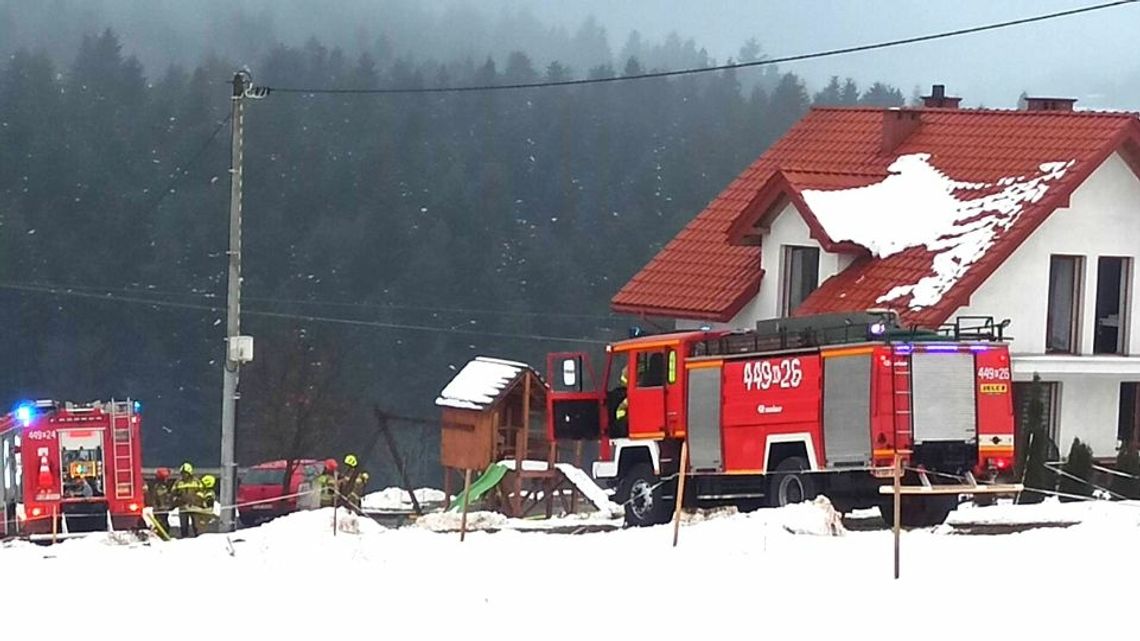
(124, 454)
(900, 398)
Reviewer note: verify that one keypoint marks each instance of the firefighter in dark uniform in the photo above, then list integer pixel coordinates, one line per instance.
(357, 495)
(185, 493)
(348, 479)
(159, 496)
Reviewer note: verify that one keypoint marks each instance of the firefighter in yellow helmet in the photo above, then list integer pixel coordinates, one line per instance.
(185, 493)
(348, 478)
(202, 512)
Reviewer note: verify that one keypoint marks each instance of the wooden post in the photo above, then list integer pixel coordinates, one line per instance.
(525, 436)
(382, 422)
(446, 488)
(466, 502)
(898, 507)
(680, 490)
(551, 459)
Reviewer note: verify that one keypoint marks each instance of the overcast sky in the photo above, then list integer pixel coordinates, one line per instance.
(1090, 56)
(1087, 56)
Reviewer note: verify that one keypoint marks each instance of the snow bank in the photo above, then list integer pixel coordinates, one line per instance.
(402, 579)
(815, 518)
(397, 499)
(315, 522)
(1051, 511)
(451, 521)
(919, 206)
(479, 383)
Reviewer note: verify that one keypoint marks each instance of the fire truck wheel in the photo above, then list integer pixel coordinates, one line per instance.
(644, 502)
(789, 484)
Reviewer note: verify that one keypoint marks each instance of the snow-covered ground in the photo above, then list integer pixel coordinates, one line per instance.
(397, 499)
(772, 572)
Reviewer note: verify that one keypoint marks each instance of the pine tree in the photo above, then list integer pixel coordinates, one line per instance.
(1033, 448)
(1079, 465)
(1128, 462)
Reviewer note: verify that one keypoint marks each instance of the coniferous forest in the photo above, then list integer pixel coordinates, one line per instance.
(387, 238)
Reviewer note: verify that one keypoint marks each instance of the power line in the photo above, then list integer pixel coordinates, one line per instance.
(326, 303)
(695, 70)
(302, 317)
(176, 175)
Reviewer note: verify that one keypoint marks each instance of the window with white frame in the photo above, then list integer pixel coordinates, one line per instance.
(800, 276)
(1062, 322)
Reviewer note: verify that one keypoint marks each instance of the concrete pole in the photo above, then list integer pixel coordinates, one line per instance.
(233, 309)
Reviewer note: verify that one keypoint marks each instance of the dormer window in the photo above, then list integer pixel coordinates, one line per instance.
(801, 276)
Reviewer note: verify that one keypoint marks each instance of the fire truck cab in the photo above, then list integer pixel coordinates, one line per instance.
(794, 408)
(68, 468)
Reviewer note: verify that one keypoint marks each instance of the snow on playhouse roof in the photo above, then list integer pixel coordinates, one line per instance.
(917, 205)
(479, 383)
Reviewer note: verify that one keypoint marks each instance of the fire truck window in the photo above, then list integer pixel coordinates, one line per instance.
(82, 471)
(616, 365)
(650, 369)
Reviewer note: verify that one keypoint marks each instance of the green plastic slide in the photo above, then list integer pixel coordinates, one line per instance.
(485, 483)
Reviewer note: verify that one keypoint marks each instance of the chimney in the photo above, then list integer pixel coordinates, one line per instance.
(898, 124)
(938, 99)
(1049, 104)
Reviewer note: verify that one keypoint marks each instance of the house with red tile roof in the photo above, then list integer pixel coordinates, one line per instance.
(937, 212)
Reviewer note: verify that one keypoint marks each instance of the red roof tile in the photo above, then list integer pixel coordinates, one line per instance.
(701, 274)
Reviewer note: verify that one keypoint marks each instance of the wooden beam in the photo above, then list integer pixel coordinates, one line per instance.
(382, 422)
(466, 502)
(680, 490)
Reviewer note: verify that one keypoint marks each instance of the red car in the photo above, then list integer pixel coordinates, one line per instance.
(263, 482)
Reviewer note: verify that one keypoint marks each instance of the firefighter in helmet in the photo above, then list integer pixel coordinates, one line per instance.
(326, 483)
(159, 496)
(202, 512)
(357, 495)
(621, 412)
(185, 493)
(349, 476)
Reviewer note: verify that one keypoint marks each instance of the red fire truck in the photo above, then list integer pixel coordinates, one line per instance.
(794, 408)
(70, 468)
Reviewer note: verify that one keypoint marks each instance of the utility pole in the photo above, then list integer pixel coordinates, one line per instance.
(239, 349)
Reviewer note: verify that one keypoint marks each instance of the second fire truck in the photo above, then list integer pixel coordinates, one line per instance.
(792, 409)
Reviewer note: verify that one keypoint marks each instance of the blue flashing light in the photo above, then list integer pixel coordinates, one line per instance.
(942, 348)
(24, 413)
(138, 407)
(979, 348)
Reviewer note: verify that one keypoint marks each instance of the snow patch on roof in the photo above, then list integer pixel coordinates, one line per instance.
(919, 206)
(479, 383)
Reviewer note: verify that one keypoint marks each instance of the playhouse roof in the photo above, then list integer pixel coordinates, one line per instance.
(481, 383)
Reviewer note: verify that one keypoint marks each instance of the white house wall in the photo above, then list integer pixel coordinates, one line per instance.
(787, 228)
(1088, 409)
(1103, 219)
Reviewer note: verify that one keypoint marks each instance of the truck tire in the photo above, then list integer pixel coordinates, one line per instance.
(644, 501)
(790, 484)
